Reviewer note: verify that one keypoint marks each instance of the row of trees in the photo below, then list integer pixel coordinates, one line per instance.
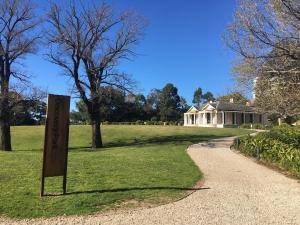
(159, 105)
(117, 106)
(266, 36)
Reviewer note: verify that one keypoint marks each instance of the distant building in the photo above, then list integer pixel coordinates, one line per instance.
(222, 114)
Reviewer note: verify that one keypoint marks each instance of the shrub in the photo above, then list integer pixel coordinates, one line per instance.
(257, 126)
(246, 126)
(279, 146)
(139, 122)
(286, 134)
(154, 118)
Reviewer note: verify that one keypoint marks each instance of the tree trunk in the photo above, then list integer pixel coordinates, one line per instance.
(5, 126)
(94, 113)
(5, 136)
(4, 108)
(96, 134)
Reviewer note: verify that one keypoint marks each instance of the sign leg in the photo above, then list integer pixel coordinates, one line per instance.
(42, 186)
(64, 184)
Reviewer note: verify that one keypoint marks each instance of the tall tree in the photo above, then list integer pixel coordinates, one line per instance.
(183, 106)
(88, 42)
(277, 93)
(197, 96)
(151, 106)
(17, 39)
(169, 103)
(266, 34)
(208, 96)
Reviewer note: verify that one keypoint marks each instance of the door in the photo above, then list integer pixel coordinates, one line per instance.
(208, 115)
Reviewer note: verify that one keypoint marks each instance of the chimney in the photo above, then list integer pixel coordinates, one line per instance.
(231, 100)
(254, 86)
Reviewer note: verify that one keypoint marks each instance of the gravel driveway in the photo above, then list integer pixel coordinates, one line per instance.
(236, 191)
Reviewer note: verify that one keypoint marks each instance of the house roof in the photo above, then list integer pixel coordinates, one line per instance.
(224, 106)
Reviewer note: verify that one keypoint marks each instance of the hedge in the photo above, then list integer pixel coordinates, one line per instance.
(280, 146)
(139, 122)
(257, 126)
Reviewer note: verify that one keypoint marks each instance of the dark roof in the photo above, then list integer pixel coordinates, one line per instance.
(227, 106)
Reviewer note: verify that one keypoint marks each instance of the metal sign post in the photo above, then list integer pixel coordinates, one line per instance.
(55, 156)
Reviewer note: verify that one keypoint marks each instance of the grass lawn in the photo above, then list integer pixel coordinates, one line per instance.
(139, 165)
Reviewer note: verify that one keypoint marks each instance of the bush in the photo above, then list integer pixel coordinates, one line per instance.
(257, 126)
(246, 126)
(139, 122)
(286, 134)
(154, 118)
(180, 123)
(279, 146)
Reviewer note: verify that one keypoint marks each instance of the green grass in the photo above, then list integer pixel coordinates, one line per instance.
(138, 165)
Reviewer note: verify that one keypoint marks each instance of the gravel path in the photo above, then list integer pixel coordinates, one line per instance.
(236, 191)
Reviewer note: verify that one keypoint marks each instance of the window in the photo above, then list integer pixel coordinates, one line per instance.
(233, 118)
(251, 118)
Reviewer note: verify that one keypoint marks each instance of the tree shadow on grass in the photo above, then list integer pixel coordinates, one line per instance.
(174, 139)
(130, 189)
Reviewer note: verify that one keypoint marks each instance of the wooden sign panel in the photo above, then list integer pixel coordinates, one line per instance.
(56, 138)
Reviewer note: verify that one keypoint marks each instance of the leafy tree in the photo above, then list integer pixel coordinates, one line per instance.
(77, 118)
(28, 112)
(118, 107)
(208, 96)
(183, 106)
(152, 102)
(81, 115)
(112, 102)
(197, 96)
(235, 96)
(169, 103)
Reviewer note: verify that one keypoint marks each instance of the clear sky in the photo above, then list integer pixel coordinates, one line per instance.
(182, 46)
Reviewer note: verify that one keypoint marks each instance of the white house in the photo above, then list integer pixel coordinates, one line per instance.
(222, 114)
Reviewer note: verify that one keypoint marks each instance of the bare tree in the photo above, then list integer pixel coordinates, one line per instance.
(261, 26)
(264, 30)
(278, 95)
(266, 35)
(88, 42)
(17, 39)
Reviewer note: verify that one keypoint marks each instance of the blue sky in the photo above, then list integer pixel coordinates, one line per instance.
(182, 46)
